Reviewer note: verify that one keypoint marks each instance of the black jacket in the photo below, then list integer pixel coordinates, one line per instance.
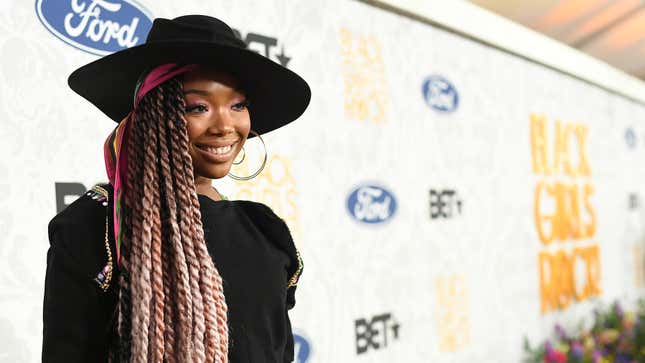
(78, 315)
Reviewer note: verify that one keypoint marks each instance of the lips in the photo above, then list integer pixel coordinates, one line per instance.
(216, 153)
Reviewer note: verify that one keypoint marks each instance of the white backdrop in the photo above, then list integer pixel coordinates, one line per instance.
(463, 286)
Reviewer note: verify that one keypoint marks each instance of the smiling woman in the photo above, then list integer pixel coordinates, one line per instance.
(156, 266)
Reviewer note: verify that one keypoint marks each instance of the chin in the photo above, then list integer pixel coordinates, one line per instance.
(211, 171)
(214, 173)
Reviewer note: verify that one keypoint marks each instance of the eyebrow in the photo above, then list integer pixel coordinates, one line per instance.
(196, 91)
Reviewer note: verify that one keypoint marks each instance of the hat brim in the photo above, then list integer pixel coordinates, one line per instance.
(277, 95)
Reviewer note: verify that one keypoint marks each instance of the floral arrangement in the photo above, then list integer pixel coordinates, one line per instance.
(615, 337)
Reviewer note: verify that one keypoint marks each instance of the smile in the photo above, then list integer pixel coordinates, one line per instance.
(217, 150)
(217, 153)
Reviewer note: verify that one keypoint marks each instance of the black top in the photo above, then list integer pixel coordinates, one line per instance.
(252, 250)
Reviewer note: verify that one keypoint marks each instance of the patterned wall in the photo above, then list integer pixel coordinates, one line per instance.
(448, 198)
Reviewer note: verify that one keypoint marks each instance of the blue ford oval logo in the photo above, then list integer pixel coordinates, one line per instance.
(302, 348)
(371, 204)
(440, 94)
(99, 27)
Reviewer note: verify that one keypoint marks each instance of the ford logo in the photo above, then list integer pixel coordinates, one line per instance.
(99, 27)
(371, 204)
(440, 94)
(302, 348)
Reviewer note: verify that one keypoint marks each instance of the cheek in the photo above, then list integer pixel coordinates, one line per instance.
(196, 129)
(245, 124)
(192, 129)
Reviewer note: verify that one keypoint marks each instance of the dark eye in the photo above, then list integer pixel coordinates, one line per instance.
(240, 106)
(196, 109)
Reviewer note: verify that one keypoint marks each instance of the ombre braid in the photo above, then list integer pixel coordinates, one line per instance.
(171, 302)
(215, 307)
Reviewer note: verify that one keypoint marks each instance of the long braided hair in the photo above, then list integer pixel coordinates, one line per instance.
(171, 302)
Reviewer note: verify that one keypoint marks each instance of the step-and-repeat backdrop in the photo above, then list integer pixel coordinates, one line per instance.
(448, 198)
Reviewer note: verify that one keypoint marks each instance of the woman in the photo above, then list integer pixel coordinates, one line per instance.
(155, 266)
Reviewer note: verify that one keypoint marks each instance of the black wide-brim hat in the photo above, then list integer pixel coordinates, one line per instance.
(277, 95)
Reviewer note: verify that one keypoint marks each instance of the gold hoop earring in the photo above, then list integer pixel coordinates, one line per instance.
(264, 162)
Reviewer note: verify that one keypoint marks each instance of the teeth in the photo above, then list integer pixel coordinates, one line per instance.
(219, 150)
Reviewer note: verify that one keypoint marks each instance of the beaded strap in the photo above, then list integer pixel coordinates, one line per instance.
(99, 194)
(293, 281)
(104, 277)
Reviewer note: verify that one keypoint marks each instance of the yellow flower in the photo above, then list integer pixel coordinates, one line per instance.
(628, 321)
(588, 344)
(608, 336)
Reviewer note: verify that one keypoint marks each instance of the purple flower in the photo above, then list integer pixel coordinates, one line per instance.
(560, 332)
(618, 310)
(577, 350)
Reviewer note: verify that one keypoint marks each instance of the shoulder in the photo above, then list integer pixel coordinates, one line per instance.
(271, 225)
(277, 231)
(264, 217)
(78, 232)
(80, 218)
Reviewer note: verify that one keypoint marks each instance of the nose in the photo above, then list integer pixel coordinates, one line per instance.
(221, 122)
